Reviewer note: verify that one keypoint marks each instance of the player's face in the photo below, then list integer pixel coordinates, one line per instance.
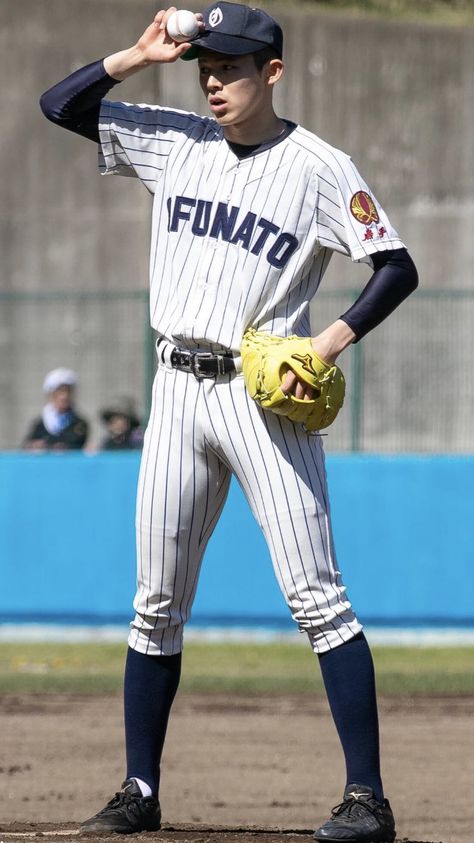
(236, 91)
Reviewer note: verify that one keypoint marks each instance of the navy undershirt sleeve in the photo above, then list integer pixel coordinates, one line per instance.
(395, 277)
(74, 103)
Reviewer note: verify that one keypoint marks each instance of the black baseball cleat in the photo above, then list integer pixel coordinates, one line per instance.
(358, 819)
(126, 813)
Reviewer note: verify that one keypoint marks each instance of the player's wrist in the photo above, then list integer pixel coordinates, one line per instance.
(334, 339)
(126, 62)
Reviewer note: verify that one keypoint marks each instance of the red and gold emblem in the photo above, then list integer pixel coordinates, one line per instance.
(363, 208)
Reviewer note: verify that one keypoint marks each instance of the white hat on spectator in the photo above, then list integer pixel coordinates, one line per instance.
(59, 377)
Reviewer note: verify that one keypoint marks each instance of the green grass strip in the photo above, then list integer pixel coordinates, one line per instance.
(274, 668)
(437, 12)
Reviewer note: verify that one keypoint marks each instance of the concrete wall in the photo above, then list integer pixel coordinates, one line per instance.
(398, 97)
(67, 544)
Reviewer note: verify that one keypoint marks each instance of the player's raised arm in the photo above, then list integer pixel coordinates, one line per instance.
(74, 103)
(154, 46)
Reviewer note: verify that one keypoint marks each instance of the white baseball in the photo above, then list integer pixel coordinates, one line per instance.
(182, 26)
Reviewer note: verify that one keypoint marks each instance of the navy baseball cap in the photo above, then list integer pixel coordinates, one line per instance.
(235, 29)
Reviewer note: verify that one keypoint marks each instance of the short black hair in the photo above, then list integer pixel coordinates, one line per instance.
(262, 56)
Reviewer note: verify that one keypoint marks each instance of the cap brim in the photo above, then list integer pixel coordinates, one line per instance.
(218, 42)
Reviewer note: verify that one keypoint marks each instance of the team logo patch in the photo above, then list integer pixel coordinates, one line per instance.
(216, 17)
(363, 208)
(306, 362)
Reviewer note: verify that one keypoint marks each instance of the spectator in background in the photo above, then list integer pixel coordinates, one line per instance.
(124, 431)
(59, 428)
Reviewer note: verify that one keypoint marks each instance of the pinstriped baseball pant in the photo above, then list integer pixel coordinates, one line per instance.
(199, 433)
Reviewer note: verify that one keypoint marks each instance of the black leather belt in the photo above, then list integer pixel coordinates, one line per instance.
(202, 364)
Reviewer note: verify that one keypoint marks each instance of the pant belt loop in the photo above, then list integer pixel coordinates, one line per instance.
(165, 349)
(238, 364)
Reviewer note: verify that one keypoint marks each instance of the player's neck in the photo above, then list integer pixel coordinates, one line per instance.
(266, 128)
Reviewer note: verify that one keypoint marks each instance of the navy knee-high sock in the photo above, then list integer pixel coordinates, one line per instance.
(150, 685)
(348, 675)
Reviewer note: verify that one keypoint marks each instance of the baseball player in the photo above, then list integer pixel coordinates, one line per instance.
(247, 210)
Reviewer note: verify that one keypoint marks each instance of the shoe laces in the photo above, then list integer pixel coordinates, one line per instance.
(118, 800)
(351, 805)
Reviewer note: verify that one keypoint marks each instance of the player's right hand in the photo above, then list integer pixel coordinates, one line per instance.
(156, 45)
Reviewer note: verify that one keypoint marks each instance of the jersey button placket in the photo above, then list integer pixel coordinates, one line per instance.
(203, 282)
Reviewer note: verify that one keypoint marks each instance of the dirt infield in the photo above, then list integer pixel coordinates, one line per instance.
(234, 769)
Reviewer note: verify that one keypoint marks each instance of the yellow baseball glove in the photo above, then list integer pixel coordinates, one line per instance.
(265, 361)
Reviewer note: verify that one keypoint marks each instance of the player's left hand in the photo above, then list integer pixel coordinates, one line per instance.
(327, 345)
(292, 385)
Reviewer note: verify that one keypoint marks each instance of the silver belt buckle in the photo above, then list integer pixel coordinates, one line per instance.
(196, 357)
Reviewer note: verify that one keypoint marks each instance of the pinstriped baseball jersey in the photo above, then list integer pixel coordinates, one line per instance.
(238, 242)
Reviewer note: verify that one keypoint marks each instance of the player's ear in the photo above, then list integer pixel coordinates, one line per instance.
(273, 71)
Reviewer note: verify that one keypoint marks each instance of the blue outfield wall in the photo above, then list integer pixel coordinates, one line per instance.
(404, 528)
